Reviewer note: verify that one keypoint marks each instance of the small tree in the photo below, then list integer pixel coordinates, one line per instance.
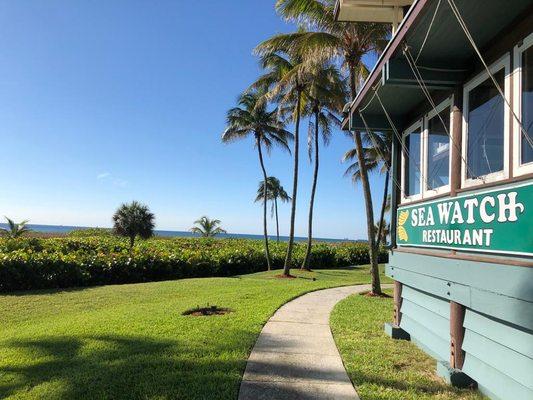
(274, 192)
(207, 227)
(132, 220)
(15, 230)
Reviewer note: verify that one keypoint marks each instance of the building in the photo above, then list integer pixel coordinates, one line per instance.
(455, 85)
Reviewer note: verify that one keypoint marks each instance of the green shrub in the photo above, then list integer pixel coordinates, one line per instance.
(91, 232)
(30, 263)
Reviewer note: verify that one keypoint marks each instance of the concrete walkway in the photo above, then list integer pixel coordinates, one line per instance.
(295, 356)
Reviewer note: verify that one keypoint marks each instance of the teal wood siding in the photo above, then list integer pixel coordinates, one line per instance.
(428, 318)
(498, 323)
(502, 352)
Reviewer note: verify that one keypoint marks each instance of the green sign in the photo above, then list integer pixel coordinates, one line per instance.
(495, 221)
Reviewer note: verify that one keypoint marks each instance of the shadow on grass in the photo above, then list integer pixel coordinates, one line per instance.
(120, 367)
(34, 292)
(342, 271)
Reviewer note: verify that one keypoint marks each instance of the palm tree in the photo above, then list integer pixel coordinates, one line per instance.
(348, 42)
(383, 146)
(377, 154)
(207, 227)
(274, 192)
(327, 94)
(15, 230)
(353, 170)
(252, 118)
(132, 220)
(286, 79)
(383, 227)
(326, 38)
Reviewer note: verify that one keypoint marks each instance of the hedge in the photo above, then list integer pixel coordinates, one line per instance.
(34, 263)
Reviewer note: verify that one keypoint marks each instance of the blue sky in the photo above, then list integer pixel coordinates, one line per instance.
(103, 102)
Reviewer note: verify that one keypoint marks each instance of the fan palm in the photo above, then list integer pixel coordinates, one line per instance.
(132, 220)
(253, 119)
(274, 192)
(207, 227)
(327, 94)
(347, 42)
(14, 229)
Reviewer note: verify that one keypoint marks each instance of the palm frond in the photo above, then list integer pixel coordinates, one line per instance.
(207, 227)
(306, 11)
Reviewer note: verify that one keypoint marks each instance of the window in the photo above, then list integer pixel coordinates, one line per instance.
(523, 106)
(485, 122)
(485, 128)
(411, 163)
(437, 151)
(426, 155)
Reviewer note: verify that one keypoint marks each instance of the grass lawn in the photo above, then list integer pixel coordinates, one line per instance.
(131, 341)
(382, 368)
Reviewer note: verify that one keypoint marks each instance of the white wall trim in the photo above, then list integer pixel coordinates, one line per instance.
(426, 192)
(502, 63)
(417, 125)
(518, 167)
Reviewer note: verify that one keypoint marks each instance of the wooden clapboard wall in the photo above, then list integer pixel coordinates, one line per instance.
(427, 319)
(498, 324)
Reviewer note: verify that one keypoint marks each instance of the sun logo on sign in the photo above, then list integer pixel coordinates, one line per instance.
(402, 219)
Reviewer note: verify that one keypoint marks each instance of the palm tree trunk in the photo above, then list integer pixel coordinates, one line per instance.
(374, 270)
(307, 258)
(372, 251)
(382, 214)
(288, 257)
(265, 232)
(353, 75)
(277, 221)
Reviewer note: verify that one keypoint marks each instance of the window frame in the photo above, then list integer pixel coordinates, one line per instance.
(519, 49)
(419, 124)
(426, 192)
(501, 63)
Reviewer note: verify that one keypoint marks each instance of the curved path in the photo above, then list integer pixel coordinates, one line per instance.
(295, 356)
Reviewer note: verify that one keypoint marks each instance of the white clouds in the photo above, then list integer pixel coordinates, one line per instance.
(103, 175)
(110, 178)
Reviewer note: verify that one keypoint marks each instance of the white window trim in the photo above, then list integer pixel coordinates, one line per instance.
(417, 125)
(426, 192)
(518, 167)
(504, 63)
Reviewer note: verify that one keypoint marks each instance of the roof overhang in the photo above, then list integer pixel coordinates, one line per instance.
(387, 11)
(447, 59)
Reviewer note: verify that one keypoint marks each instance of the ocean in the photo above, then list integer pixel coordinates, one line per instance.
(63, 229)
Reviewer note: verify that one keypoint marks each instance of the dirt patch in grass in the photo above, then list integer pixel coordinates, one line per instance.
(283, 276)
(372, 294)
(207, 311)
